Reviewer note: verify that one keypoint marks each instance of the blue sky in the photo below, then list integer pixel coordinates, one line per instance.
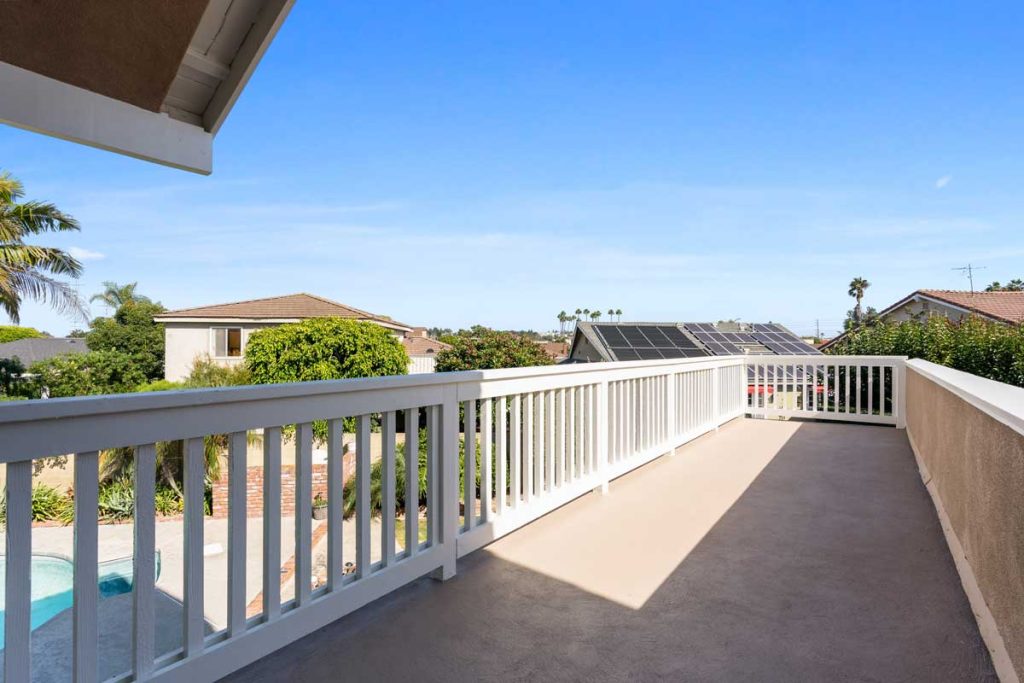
(458, 163)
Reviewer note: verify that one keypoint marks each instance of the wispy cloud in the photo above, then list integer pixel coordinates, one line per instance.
(943, 181)
(86, 254)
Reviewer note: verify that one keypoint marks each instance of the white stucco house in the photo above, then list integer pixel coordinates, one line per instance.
(221, 331)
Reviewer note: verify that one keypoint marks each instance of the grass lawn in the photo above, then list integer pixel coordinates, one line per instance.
(400, 528)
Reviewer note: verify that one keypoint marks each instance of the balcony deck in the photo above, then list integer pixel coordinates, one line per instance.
(766, 551)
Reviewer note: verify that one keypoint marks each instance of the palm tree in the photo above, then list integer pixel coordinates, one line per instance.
(114, 295)
(28, 270)
(595, 315)
(857, 287)
(611, 314)
(586, 313)
(618, 315)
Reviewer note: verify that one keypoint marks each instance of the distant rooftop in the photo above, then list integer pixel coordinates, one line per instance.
(1004, 306)
(287, 308)
(29, 351)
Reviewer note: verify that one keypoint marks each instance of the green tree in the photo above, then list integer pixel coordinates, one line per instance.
(114, 295)
(858, 286)
(9, 333)
(83, 374)
(481, 348)
(324, 348)
(618, 315)
(29, 270)
(132, 331)
(1015, 285)
(595, 315)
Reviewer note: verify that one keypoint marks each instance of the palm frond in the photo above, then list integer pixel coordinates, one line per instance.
(16, 284)
(49, 259)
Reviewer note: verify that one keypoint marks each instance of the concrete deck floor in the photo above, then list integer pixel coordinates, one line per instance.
(769, 551)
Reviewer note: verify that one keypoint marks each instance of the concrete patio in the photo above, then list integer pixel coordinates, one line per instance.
(766, 551)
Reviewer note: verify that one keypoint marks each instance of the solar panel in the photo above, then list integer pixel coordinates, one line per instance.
(781, 341)
(648, 342)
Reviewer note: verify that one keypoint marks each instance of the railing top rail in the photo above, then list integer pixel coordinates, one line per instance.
(1003, 402)
(825, 358)
(83, 406)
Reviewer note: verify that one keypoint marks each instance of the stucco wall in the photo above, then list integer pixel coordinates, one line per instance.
(187, 341)
(976, 468)
(915, 309)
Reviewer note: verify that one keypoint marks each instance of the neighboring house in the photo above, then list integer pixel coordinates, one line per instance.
(422, 350)
(595, 342)
(1001, 307)
(558, 351)
(28, 351)
(221, 331)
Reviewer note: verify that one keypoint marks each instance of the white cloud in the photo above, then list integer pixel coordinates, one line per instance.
(943, 181)
(86, 254)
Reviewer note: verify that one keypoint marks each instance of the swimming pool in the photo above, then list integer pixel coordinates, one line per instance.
(53, 585)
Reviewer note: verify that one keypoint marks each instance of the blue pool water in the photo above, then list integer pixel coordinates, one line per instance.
(53, 584)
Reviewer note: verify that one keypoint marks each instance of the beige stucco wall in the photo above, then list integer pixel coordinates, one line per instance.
(918, 309)
(976, 469)
(187, 341)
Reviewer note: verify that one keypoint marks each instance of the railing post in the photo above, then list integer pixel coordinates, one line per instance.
(670, 408)
(716, 412)
(899, 387)
(601, 435)
(449, 489)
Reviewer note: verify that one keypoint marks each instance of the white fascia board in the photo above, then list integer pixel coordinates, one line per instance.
(45, 105)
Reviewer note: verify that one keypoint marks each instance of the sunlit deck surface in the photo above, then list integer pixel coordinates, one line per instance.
(766, 551)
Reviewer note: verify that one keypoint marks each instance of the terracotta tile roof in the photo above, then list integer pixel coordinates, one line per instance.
(555, 349)
(1005, 306)
(289, 307)
(423, 346)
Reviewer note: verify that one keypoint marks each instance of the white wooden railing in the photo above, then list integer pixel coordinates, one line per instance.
(544, 436)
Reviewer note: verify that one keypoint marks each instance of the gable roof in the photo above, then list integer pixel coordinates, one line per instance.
(1003, 307)
(29, 351)
(423, 346)
(287, 308)
(1007, 307)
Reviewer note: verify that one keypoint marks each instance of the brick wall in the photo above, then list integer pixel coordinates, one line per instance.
(254, 487)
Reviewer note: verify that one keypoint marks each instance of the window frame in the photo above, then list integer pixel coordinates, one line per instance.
(227, 331)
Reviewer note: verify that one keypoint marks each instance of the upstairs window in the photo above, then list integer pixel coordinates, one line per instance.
(227, 342)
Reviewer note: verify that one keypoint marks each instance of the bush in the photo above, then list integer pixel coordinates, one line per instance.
(11, 384)
(160, 385)
(47, 504)
(117, 500)
(207, 373)
(481, 348)
(9, 333)
(168, 502)
(324, 348)
(974, 345)
(133, 332)
(96, 372)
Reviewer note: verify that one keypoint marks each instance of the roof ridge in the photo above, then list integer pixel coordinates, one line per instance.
(235, 303)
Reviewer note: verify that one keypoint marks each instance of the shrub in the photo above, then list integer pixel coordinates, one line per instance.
(168, 502)
(117, 500)
(133, 332)
(481, 348)
(96, 372)
(206, 373)
(9, 333)
(974, 345)
(324, 348)
(160, 385)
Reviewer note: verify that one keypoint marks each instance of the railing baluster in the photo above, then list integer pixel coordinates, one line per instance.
(528, 449)
(86, 568)
(549, 448)
(538, 454)
(195, 493)
(486, 450)
(237, 518)
(469, 458)
(363, 560)
(303, 512)
(501, 463)
(871, 389)
(570, 431)
(18, 581)
(433, 473)
(561, 436)
(272, 523)
(515, 446)
(387, 488)
(144, 563)
(335, 502)
(412, 479)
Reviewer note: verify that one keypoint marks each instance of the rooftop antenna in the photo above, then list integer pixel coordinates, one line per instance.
(968, 270)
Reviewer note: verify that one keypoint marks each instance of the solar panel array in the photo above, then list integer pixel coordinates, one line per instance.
(719, 343)
(782, 341)
(648, 342)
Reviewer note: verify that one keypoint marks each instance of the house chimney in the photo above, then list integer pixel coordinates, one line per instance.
(419, 332)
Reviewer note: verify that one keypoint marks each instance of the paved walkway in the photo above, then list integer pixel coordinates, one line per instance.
(770, 551)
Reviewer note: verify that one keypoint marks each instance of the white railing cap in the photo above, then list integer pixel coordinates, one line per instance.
(1003, 402)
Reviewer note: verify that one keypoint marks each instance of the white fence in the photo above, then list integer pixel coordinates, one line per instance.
(543, 436)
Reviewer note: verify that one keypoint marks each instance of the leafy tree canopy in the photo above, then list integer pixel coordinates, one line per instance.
(96, 372)
(323, 348)
(978, 346)
(9, 333)
(481, 348)
(133, 332)
(1015, 285)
